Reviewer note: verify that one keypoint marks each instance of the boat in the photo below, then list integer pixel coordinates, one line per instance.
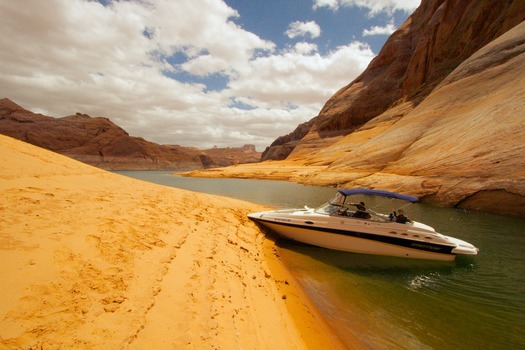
(343, 225)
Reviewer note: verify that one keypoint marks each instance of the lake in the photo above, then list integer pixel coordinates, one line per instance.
(475, 302)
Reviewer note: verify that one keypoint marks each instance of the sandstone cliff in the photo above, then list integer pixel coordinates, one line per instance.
(461, 146)
(99, 142)
(415, 59)
(439, 113)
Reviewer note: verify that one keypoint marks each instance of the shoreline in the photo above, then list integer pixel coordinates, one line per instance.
(92, 259)
(497, 195)
(314, 328)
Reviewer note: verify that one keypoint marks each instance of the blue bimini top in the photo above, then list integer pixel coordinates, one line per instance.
(381, 193)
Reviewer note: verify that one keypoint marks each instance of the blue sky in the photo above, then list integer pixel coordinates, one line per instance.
(198, 73)
(271, 19)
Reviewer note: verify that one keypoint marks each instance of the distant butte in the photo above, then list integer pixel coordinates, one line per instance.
(99, 142)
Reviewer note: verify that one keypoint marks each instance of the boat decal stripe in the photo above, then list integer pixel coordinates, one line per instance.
(403, 242)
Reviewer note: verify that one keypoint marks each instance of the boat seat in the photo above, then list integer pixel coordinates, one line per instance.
(361, 215)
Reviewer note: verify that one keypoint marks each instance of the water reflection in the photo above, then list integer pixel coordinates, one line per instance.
(431, 304)
(412, 273)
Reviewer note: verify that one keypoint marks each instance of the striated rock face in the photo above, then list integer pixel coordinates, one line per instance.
(99, 142)
(462, 146)
(439, 113)
(415, 59)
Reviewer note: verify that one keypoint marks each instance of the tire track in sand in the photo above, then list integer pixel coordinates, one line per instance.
(214, 296)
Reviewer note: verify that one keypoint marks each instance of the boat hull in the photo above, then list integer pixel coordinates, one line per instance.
(359, 236)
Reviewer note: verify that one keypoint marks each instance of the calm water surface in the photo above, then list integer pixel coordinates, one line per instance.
(393, 303)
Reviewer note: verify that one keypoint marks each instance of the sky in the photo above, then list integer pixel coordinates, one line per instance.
(196, 73)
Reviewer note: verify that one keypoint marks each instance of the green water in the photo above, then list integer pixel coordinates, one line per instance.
(393, 303)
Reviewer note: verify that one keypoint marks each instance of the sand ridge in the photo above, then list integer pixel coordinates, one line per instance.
(91, 259)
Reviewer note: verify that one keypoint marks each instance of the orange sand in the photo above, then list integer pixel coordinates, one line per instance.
(91, 259)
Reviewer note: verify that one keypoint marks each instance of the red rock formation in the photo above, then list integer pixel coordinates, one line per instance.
(221, 157)
(99, 142)
(415, 59)
(439, 113)
(461, 146)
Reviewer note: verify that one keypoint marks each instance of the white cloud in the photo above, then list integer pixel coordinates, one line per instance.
(65, 56)
(203, 31)
(332, 4)
(298, 28)
(388, 29)
(305, 48)
(374, 6)
(296, 78)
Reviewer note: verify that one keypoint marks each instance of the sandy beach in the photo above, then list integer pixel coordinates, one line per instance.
(91, 259)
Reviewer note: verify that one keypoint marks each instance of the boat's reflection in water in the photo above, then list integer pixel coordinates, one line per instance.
(387, 302)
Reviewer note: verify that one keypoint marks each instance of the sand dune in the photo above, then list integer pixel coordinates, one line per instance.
(91, 259)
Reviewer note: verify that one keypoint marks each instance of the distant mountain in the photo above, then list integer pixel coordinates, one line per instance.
(99, 142)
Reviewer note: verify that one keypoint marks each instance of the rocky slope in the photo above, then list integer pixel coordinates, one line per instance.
(439, 113)
(99, 142)
(462, 146)
(434, 41)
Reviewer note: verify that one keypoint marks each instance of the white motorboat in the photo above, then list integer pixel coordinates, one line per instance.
(342, 225)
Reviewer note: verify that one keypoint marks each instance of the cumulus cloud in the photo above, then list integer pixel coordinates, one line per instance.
(314, 76)
(388, 29)
(145, 65)
(374, 6)
(298, 28)
(331, 4)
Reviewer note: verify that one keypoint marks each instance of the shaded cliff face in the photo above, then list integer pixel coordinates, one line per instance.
(439, 113)
(434, 41)
(462, 146)
(99, 142)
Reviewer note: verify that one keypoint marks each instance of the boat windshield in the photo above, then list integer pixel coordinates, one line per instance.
(335, 204)
(338, 199)
(339, 206)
